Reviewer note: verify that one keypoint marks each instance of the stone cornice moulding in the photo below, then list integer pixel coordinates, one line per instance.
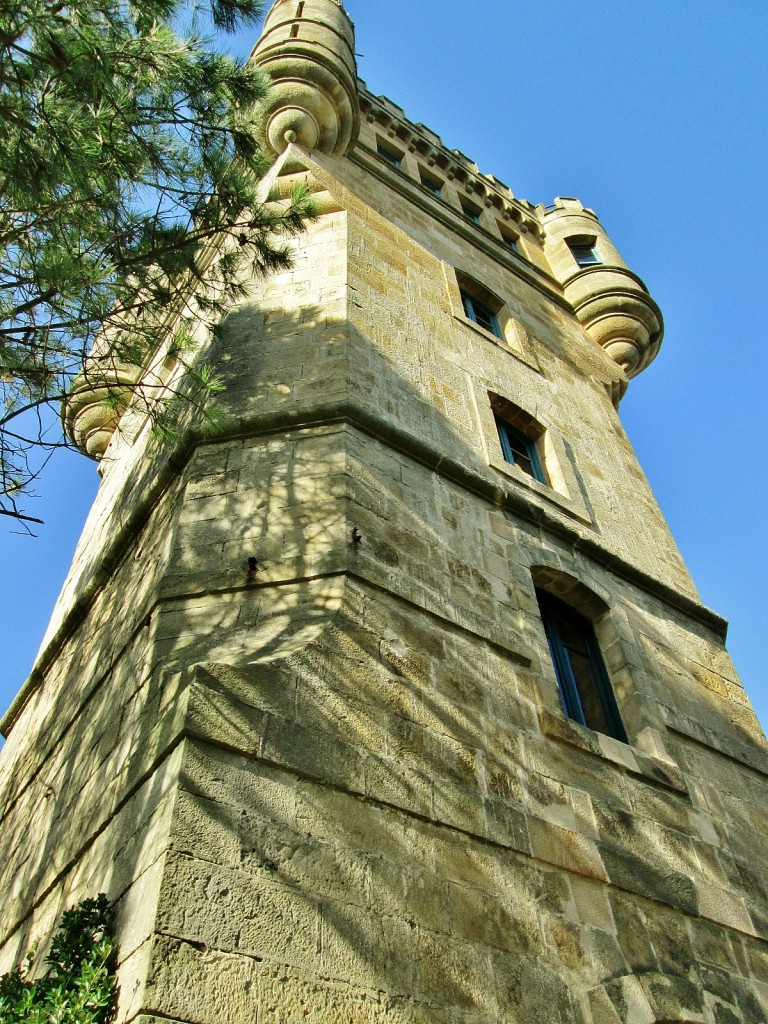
(421, 141)
(458, 224)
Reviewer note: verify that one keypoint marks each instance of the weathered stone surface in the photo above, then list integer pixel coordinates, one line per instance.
(296, 712)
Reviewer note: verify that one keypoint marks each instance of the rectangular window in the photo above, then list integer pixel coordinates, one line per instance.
(432, 184)
(585, 254)
(390, 156)
(511, 243)
(520, 451)
(481, 315)
(585, 688)
(471, 212)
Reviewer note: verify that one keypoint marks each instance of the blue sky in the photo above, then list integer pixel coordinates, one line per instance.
(653, 114)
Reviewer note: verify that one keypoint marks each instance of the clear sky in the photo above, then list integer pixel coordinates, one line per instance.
(654, 114)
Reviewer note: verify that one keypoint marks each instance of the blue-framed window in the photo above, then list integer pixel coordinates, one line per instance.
(432, 184)
(390, 155)
(585, 688)
(520, 451)
(480, 314)
(511, 243)
(471, 212)
(586, 254)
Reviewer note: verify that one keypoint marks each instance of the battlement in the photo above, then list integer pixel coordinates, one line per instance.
(427, 146)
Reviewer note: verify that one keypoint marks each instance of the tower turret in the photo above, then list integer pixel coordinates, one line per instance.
(610, 301)
(308, 49)
(96, 402)
(392, 701)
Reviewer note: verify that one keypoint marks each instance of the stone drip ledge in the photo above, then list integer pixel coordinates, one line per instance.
(746, 754)
(476, 235)
(630, 759)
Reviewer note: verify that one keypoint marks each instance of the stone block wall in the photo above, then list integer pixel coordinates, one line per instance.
(300, 720)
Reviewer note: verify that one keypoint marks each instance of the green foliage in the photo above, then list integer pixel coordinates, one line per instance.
(129, 170)
(78, 986)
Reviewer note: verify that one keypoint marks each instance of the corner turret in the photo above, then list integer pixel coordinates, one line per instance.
(610, 301)
(308, 49)
(97, 400)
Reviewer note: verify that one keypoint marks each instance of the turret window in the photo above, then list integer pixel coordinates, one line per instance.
(480, 314)
(585, 251)
(585, 689)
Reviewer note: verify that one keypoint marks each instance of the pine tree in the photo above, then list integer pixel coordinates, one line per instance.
(129, 181)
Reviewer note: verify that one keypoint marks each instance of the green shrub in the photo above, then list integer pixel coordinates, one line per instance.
(78, 986)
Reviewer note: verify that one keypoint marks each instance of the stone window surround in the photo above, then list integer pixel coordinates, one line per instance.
(514, 338)
(512, 240)
(644, 752)
(585, 251)
(472, 211)
(431, 182)
(586, 693)
(517, 445)
(563, 490)
(391, 154)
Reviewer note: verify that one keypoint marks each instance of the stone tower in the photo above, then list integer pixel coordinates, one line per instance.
(395, 702)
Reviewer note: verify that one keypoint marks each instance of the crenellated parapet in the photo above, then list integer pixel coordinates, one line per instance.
(610, 301)
(390, 121)
(307, 48)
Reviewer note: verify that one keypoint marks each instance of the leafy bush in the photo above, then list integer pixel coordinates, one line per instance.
(78, 986)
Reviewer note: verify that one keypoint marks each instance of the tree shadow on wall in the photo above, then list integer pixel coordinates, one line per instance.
(341, 741)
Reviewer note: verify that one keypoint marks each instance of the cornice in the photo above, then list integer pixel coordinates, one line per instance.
(447, 215)
(429, 147)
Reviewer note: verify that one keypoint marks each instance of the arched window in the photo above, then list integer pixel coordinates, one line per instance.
(585, 688)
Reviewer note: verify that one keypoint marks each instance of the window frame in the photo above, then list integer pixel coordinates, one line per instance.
(551, 608)
(431, 184)
(585, 252)
(511, 242)
(509, 434)
(390, 156)
(472, 306)
(471, 212)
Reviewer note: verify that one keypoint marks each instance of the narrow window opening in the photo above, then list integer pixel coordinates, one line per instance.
(585, 689)
(512, 242)
(480, 314)
(390, 155)
(471, 212)
(585, 251)
(294, 31)
(520, 451)
(300, 10)
(431, 184)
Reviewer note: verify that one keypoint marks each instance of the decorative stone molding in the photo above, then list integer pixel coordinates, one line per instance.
(308, 50)
(98, 398)
(391, 121)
